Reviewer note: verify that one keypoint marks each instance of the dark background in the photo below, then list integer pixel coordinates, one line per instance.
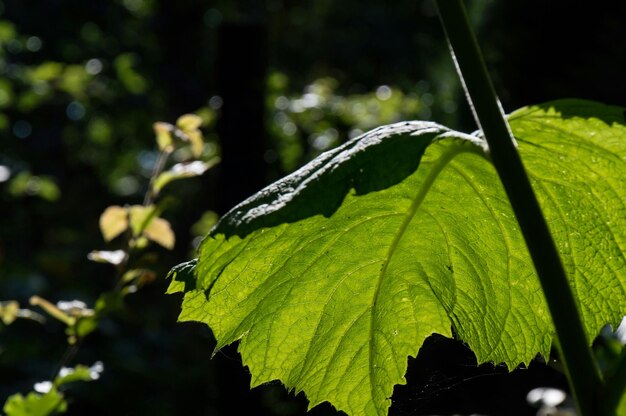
(81, 84)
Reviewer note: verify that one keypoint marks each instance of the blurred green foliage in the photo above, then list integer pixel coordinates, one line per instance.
(47, 399)
(50, 403)
(304, 125)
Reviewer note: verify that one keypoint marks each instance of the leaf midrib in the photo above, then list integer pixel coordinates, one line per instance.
(439, 165)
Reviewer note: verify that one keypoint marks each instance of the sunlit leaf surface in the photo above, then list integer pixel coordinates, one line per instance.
(333, 276)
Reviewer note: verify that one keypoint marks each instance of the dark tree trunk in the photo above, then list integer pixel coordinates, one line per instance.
(241, 70)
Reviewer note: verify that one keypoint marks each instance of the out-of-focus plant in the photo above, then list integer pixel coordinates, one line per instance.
(87, 94)
(27, 184)
(305, 125)
(135, 226)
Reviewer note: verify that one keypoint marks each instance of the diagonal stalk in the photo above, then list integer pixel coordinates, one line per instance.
(616, 384)
(582, 373)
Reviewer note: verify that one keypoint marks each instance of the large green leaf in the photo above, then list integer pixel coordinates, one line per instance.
(333, 276)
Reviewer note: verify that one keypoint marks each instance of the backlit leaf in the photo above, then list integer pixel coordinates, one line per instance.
(113, 222)
(160, 231)
(188, 122)
(82, 328)
(140, 217)
(78, 373)
(331, 277)
(9, 311)
(181, 171)
(138, 276)
(196, 142)
(109, 302)
(163, 132)
(102, 256)
(35, 404)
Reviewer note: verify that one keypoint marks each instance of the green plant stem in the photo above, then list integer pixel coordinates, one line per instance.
(616, 384)
(149, 197)
(156, 171)
(68, 356)
(52, 310)
(582, 373)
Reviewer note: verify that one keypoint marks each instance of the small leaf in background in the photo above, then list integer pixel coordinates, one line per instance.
(181, 171)
(79, 373)
(160, 231)
(9, 311)
(188, 122)
(197, 142)
(48, 190)
(52, 310)
(139, 276)
(163, 132)
(35, 404)
(205, 223)
(140, 217)
(109, 302)
(85, 321)
(114, 257)
(74, 308)
(113, 222)
(27, 184)
(47, 71)
(208, 116)
(82, 328)
(139, 243)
